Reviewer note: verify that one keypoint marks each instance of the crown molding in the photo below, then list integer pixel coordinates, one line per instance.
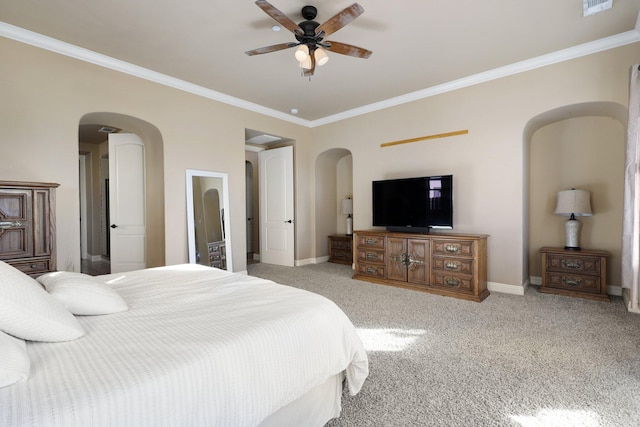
(44, 42)
(67, 49)
(618, 40)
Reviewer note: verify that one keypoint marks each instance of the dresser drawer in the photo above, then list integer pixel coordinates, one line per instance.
(371, 256)
(341, 255)
(453, 265)
(371, 270)
(454, 282)
(368, 241)
(341, 244)
(458, 248)
(574, 282)
(32, 268)
(574, 265)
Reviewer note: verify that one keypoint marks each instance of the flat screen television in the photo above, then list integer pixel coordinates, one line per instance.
(413, 204)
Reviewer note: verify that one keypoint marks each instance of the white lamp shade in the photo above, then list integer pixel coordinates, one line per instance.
(302, 53)
(321, 57)
(346, 207)
(576, 202)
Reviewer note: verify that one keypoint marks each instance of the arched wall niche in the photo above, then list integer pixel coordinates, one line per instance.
(333, 182)
(154, 174)
(575, 146)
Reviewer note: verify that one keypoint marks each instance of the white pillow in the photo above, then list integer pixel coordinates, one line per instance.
(27, 311)
(14, 360)
(83, 294)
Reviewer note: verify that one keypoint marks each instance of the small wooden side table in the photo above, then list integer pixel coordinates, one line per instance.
(341, 248)
(573, 273)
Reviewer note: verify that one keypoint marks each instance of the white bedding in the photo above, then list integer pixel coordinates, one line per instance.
(198, 347)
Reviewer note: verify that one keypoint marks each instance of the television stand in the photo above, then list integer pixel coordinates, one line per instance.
(447, 264)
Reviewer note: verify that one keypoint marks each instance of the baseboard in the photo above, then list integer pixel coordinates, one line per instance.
(97, 258)
(505, 288)
(309, 261)
(535, 280)
(614, 290)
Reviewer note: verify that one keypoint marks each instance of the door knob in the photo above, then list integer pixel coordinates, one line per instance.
(114, 226)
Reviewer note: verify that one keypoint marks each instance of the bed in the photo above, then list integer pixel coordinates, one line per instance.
(197, 346)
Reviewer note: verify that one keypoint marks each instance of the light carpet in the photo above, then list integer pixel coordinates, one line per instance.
(532, 360)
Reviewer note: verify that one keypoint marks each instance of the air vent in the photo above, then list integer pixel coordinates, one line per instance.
(107, 129)
(591, 7)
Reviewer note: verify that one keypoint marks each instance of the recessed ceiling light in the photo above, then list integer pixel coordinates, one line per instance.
(276, 28)
(294, 111)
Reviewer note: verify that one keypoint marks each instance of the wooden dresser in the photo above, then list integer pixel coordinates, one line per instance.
(446, 264)
(341, 249)
(580, 273)
(217, 254)
(28, 226)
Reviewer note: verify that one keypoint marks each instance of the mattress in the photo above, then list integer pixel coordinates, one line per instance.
(197, 347)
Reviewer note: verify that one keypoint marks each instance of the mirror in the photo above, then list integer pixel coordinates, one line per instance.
(208, 226)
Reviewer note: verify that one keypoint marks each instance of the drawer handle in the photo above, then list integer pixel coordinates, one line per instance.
(452, 248)
(450, 281)
(576, 265)
(371, 255)
(34, 266)
(371, 270)
(10, 224)
(452, 265)
(572, 281)
(371, 242)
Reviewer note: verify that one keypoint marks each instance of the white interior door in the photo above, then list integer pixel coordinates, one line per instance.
(249, 203)
(126, 202)
(277, 234)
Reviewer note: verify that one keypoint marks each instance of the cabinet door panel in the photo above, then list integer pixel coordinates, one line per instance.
(418, 260)
(396, 250)
(16, 231)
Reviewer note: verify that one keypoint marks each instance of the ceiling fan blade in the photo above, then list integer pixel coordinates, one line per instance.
(310, 71)
(338, 21)
(282, 19)
(347, 49)
(268, 49)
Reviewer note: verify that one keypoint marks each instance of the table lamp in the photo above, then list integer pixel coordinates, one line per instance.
(573, 203)
(346, 208)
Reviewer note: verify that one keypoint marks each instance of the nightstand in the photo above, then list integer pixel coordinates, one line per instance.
(341, 249)
(575, 273)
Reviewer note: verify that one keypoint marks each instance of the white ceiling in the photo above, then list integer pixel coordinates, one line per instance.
(416, 45)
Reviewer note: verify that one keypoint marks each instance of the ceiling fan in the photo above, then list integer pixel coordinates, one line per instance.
(310, 36)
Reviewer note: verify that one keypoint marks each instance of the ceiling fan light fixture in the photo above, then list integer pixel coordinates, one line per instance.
(306, 64)
(321, 56)
(302, 53)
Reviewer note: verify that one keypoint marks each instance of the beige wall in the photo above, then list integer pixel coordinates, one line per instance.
(252, 159)
(586, 153)
(488, 164)
(50, 93)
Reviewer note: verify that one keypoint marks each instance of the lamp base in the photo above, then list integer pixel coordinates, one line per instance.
(572, 227)
(349, 226)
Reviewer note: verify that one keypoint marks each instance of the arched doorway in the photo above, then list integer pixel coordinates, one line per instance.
(576, 146)
(333, 183)
(95, 179)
